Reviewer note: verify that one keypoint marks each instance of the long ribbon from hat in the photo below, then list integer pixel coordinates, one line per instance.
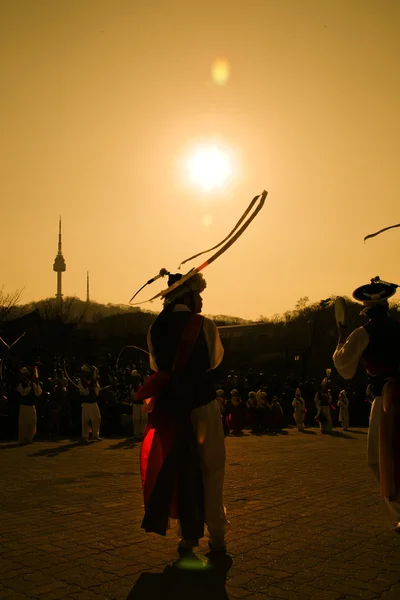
(124, 348)
(242, 218)
(371, 235)
(230, 240)
(162, 273)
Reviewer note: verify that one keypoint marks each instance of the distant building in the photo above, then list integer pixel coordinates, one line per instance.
(251, 344)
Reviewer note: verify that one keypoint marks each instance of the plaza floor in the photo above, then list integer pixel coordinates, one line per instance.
(306, 522)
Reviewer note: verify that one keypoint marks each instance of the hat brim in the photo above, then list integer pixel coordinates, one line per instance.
(374, 293)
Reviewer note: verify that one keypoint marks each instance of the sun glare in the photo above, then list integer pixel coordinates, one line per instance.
(220, 71)
(210, 167)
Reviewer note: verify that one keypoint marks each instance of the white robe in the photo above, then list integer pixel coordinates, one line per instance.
(299, 406)
(27, 414)
(90, 412)
(325, 412)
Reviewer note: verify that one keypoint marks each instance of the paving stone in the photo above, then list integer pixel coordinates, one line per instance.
(71, 522)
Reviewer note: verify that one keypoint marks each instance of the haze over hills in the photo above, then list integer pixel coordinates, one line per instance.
(75, 309)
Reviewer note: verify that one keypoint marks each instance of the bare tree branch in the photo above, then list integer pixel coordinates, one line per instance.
(9, 304)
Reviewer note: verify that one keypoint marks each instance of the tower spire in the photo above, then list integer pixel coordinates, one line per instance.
(87, 287)
(59, 265)
(59, 237)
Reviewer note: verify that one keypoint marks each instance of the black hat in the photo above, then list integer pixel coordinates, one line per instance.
(376, 292)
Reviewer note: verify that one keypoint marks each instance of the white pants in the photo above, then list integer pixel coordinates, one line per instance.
(208, 428)
(90, 412)
(27, 424)
(140, 419)
(373, 452)
(299, 418)
(344, 417)
(326, 426)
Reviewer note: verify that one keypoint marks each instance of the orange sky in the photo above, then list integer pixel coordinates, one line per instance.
(99, 98)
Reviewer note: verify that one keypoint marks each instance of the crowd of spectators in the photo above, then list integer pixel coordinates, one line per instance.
(247, 399)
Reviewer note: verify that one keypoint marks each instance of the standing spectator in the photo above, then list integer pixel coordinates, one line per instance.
(236, 413)
(29, 391)
(140, 417)
(299, 406)
(251, 406)
(89, 389)
(278, 418)
(323, 401)
(343, 404)
(263, 412)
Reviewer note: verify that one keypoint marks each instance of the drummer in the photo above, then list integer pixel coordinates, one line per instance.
(378, 344)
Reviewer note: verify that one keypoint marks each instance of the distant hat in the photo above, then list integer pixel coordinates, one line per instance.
(135, 373)
(234, 393)
(253, 394)
(376, 292)
(263, 395)
(342, 393)
(220, 393)
(27, 371)
(298, 391)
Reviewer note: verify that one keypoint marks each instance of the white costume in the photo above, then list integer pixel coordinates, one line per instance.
(27, 411)
(90, 409)
(323, 401)
(299, 406)
(140, 417)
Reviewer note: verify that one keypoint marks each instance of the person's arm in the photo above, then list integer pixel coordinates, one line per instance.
(214, 344)
(37, 389)
(348, 354)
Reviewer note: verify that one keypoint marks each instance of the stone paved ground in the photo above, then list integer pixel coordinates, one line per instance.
(306, 518)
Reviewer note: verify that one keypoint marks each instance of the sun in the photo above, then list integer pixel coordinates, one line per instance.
(209, 166)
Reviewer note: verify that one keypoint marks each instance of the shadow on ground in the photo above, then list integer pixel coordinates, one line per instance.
(10, 445)
(56, 450)
(124, 444)
(177, 583)
(341, 434)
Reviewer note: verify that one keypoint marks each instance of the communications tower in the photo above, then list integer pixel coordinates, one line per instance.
(59, 264)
